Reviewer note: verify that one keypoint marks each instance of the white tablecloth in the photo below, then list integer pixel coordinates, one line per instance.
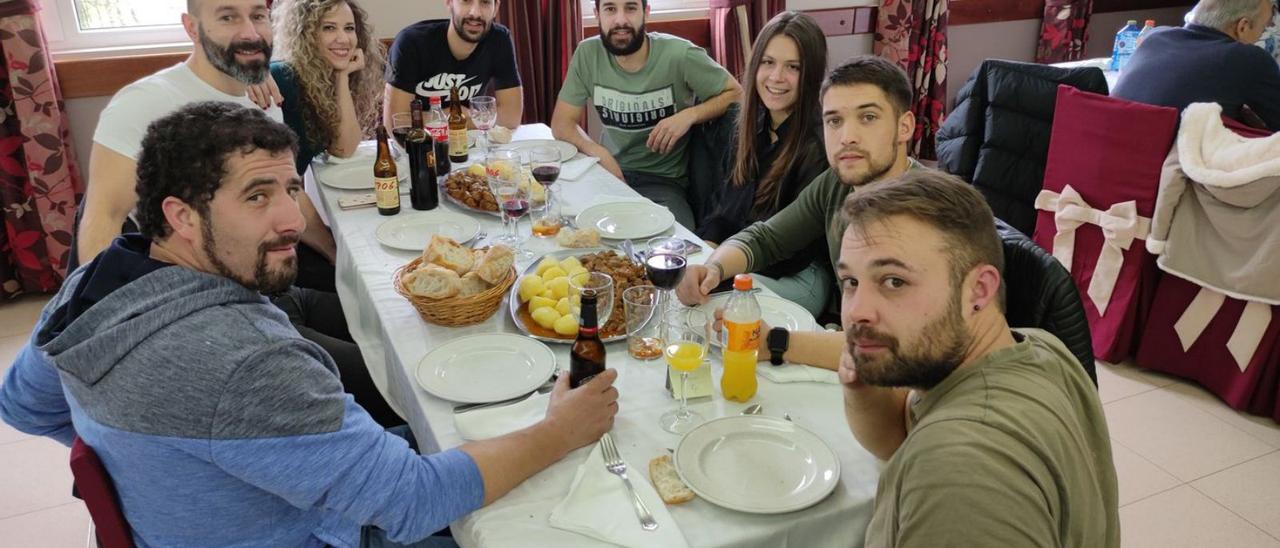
(393, 339)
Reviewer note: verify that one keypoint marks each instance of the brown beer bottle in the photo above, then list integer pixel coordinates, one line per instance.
(457, 129)
(386, 186)
(586, 358)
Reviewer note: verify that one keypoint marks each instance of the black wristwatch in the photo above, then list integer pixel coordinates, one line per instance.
(778, 340)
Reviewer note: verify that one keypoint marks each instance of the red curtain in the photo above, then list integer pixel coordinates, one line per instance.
(1064, 31)
(545, 33)
(734, 26)
(39, 183)
(913, 33)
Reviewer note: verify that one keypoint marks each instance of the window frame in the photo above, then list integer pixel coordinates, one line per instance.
(66, 40)
(659, 10)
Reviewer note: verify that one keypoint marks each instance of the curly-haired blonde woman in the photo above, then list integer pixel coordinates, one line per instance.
(330, 73)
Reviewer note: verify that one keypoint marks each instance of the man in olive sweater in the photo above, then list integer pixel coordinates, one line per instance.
(867, 123)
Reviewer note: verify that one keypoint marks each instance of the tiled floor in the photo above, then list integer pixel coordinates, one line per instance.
(1192, 472)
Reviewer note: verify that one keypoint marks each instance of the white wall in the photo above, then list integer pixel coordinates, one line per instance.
(387, 16)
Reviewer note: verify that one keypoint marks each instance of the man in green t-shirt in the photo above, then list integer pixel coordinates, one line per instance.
(993, 436)
(644, 86)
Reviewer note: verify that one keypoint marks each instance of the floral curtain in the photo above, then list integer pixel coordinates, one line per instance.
(1064, 31)
(39, 183)
(913, 33)
(546, 33)
(734, 26)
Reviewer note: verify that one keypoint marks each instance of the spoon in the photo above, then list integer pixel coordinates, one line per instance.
(753, 409)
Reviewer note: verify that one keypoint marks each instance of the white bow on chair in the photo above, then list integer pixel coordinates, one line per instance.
(1120, 225)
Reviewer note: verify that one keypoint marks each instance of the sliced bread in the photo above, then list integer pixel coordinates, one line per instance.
(472, 284)
(496, 264)
(433, 282)
(662, 472)
(447, 253)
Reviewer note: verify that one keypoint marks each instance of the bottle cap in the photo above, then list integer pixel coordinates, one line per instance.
(1133, 21)
(742, 282)
(1151, 22)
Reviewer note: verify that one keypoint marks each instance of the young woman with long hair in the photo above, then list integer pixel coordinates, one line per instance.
(779, 150)
(330, 70)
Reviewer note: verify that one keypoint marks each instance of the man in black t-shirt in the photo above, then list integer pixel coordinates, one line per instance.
(468, 51)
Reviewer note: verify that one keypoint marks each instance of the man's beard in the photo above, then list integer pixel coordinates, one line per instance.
(632, 46)
(942, 346)
(263, 281)
(874, 171)
(224, 58)
(458, 23)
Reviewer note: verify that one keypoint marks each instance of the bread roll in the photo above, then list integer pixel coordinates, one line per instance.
(586, 237)
(447, 253)
(433, 282)
(472, 284)
(496, 264)
(662, 472)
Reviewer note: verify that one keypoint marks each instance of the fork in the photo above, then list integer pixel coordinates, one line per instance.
(479, 239)
(614, 464)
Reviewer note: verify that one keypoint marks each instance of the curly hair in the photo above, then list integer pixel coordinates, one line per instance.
(184, 155)
(296, 24)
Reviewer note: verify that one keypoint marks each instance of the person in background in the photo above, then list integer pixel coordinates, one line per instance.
(468, 51)
(217, 423)
(993, 436)
(644, 86)
(330, 73)
(1211, 59)
(778, 152)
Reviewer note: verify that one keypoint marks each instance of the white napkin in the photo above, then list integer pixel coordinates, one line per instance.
(599, 507)
(574, 169)
(791, 372)
(491, 422)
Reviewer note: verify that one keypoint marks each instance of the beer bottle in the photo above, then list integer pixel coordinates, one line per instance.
(386, 187)
(586, 358)
(457, 129)
(422, 172)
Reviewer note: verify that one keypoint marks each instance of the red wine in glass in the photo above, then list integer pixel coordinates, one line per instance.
(400, 133)
(664, 271)
(546, 174)
(515, 208)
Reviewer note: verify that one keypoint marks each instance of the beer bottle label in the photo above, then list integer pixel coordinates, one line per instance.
(387, 191)
(458, 142)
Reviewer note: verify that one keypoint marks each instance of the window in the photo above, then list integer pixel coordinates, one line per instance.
(73, 25)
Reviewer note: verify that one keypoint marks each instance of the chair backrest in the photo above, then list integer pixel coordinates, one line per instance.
(1040, 293)
(99, 494)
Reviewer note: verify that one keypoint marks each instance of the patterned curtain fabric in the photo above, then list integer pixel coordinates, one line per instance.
(734, 26)
(1064, 31)
(545, 33)
(913, 33)
(39, 183)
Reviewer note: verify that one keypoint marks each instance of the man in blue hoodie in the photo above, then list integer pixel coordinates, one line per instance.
(218, 423)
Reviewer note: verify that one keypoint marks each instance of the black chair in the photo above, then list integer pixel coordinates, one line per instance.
(1040, 293)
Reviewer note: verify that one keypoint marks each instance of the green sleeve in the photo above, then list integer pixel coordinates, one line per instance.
(575, 88)
(789, 231)
(967, 484)
(703, 75)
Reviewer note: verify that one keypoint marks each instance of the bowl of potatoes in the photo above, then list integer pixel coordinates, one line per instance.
(543, 304)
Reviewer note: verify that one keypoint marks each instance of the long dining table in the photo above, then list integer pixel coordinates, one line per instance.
(393, 339)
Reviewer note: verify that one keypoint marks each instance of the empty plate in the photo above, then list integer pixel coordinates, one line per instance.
(757, 464)
(413, 232)
(627, 220)
(566, 150)
(486, 368)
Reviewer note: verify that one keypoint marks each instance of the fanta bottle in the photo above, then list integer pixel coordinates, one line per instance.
(742, 324)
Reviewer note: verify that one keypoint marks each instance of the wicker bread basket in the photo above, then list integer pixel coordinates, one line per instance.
(455, 311)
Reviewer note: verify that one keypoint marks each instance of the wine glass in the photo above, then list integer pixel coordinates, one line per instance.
(599, 282)
(513, 201)
(400, 125)
(545, 164)
(685, 347)
(484, 114)
(664, 265)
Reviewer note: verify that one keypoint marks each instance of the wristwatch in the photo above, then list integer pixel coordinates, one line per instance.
(778, 340)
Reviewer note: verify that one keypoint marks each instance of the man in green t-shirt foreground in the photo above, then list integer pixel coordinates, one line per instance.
(644, 86)
(993, 436)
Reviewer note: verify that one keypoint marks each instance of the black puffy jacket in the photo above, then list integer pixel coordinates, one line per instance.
(1040, 293)
(997, 137)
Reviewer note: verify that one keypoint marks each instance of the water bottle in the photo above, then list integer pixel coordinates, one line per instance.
(1126, 42)
(742, 322)
(1147, 27)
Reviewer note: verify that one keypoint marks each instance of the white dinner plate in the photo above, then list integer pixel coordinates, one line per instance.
(775, 311)
(412, 232)
(356, 174)
(567, 150)
(757, 464)
(485, 368)
(627, 220)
